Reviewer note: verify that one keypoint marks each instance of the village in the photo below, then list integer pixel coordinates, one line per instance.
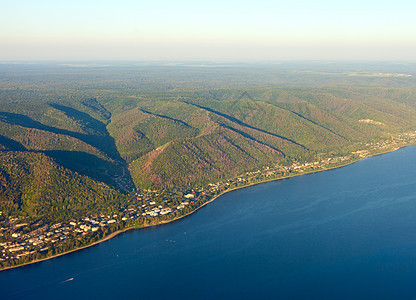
(23, 240)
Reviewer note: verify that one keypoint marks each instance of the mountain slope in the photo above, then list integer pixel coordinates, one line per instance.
(34, 184)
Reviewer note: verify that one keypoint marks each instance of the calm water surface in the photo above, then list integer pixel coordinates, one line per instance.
(348, 233)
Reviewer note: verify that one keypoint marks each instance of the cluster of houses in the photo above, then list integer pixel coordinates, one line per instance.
(403, 138)
(19, 238)
(37, 240)
(20, 242)
(154, 212)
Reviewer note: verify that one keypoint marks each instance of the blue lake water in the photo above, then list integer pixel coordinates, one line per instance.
(348, 233)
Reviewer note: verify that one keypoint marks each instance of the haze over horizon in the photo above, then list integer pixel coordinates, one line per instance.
(188, 30)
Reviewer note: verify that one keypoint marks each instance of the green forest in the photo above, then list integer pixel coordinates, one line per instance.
(78, 140)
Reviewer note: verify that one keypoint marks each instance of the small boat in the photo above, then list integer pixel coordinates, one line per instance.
(70, 279)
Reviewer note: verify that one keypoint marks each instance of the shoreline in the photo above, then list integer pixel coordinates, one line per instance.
(116, 233)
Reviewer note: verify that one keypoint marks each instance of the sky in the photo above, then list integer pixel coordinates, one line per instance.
(214, 30)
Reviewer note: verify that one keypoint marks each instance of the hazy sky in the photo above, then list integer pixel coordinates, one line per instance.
(207, 30)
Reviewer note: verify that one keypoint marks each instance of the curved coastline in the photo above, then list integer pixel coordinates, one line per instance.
(116, 233)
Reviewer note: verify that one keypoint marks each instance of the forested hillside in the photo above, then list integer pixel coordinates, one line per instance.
(67, 134)
(35, 185)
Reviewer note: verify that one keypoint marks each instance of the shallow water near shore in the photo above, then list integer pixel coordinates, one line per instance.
(345, 233)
